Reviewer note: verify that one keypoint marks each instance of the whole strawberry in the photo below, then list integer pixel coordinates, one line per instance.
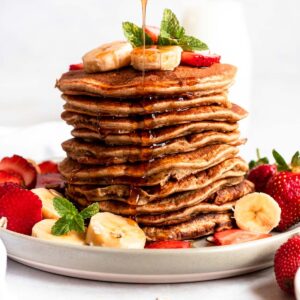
(260, 172)
(286, 263)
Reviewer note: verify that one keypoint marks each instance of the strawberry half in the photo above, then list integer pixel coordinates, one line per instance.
(199, 60)
(48, 167)
(236, 236)
(286, 263)
(153, 33)
(10, 177)
(168, 245)
(19, 165)
(284, 187)
(22, 208)
(75, 67)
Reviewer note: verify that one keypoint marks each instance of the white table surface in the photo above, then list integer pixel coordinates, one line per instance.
(24, 283)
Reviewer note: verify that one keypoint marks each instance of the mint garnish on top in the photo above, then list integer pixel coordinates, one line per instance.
(171, 33)
(71, 218)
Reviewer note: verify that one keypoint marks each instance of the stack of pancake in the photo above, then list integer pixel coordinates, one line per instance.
(161, 148)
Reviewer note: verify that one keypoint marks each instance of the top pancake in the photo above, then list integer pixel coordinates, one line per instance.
(128, 82)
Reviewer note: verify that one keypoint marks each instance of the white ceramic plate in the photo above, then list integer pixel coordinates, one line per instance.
(144, 266)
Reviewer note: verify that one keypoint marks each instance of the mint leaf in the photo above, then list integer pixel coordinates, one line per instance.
(90, 211)
(190, 43)
(61, 226)
(63, 206)
(170, 25)
(281, 163)
(166, 41)
(77, 223)
(134, 34)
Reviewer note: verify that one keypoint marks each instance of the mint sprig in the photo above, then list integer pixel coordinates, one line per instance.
(71, 218)
(134, 34)
(171, 33)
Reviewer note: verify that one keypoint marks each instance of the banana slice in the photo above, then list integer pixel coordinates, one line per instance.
(257, 212)
(47, 196)
(107, 57)
(156, 58)
(109, 230)
(42, 230)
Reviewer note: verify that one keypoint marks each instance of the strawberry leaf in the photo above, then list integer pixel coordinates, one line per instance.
(296, 160)
(259, 161)
(281, 163)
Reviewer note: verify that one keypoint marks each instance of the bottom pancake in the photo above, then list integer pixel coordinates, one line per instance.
(200, 226)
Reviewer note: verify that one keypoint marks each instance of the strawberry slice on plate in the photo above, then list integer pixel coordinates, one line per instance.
(10, 177)
(48, 166)
(19, 165)
(153, 33)
(197, 59)
(237, 236)
(168, 245)
(75, 67)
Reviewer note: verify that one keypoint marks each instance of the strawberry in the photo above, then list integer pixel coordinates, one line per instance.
(22, 208)
(284, 187)
(286, 263)
(10, 177)
(19, 165)
(75, 67)
(168, 245)
(198, 59)
(260, 176)
(153, 33)
(48, 167)
(236, 236)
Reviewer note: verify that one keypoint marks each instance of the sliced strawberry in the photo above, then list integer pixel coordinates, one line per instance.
(75, 67)
(48, 167)
(22, 208)
(50, 181)
(198, 59)
(19, 165)
(168, 245)
(153, 33)
(10, 177)
(236, 236)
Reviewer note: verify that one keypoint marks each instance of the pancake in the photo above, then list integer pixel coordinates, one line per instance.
(153, 121)
(148, 137)
(169, 204)
(95, 106)
(230, 168)
(128, 82)
(196, 161)
(99, 153)
(199, 226)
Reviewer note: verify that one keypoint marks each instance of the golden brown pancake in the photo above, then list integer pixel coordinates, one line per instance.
(95, 106)
(98, 153)
(229, 168)
(199, 226)
(128, 82)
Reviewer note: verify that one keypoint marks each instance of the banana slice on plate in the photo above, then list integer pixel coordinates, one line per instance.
(109, 230)
(42, 230)
(47, 196)
(110, 56)
(156, 58)
(257, 212)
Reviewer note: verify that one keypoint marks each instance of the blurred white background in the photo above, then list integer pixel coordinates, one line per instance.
(39, 39)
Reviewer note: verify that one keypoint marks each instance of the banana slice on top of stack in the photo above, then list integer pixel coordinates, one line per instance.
(115, 55)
